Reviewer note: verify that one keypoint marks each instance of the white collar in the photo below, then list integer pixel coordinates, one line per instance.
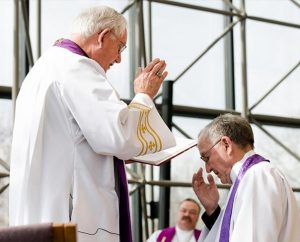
(181, 231)
(238, 165)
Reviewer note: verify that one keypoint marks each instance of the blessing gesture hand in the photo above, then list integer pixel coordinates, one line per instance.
(150, 78)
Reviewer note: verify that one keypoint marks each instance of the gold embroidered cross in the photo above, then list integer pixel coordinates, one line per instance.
(152, 146)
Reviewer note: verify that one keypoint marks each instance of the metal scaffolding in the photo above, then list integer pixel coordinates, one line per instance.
(139, 56)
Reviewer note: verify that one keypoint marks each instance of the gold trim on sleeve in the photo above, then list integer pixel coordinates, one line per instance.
(148, 137)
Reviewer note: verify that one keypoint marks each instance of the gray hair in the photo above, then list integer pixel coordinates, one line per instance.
(235, 127)
(95, 19)
(191, 200)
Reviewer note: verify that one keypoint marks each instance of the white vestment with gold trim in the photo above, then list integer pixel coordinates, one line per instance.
(69, 124)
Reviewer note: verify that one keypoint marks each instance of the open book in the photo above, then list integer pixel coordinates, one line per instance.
(158, 158)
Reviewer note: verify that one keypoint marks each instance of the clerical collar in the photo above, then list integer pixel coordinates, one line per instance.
(184, 235)
(183, 231)
(237, 166)
(71, 46)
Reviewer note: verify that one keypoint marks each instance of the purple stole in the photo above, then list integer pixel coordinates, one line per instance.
(225, 227)
(166, 235)
(71, 46)
(124, 219)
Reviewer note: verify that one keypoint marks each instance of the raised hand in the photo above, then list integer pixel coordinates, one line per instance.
(207, 193)
(150, 79)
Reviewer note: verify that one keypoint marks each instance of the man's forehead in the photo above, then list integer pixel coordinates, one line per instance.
(203, 142)
(189, 205)
(124, 36)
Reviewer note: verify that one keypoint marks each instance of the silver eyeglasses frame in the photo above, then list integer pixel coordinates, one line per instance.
(122, 45)
(204, 155)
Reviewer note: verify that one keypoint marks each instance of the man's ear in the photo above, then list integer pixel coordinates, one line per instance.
(227, 143)
(101, 35)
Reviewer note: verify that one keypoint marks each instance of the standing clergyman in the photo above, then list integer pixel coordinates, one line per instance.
(72, 132)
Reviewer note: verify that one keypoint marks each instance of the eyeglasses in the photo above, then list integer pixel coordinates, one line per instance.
(122, 45)
(204, 155)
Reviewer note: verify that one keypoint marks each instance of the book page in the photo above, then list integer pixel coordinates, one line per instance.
(158, 158)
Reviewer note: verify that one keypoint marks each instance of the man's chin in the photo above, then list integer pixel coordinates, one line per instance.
(225, 181)
(186, 227)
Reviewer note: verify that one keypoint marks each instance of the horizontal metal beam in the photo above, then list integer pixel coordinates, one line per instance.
(5, 92)
(3, 175)
(276, 120)
(273, 21)
(227, 13)
(207, 113)
(166, 183)
(194, 112)
(197, 7)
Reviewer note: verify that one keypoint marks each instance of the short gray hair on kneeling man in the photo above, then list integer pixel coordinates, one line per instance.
(237, 128)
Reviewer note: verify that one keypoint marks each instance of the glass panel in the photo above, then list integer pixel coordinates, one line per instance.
(182, 44)
(282, 10)
(279, 157)
(214, 4)
(272, 52)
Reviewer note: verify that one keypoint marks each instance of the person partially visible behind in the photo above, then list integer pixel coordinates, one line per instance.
(185, 228)
(261, 206)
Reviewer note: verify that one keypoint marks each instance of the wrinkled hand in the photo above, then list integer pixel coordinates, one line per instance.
(208, 194)
(149, 80)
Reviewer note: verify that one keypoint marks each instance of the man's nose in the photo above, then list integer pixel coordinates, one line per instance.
(119, 58)
(208, 168)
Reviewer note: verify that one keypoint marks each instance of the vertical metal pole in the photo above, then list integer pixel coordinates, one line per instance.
(229, 64)
(144, 204)
(135, 56)
(244, 110)
(38, 27)
(150, 29)
(137, 215)
(25, 13)
(133, 47)
(143, 55)
(150, 58)
(165, 169)
(15, 84)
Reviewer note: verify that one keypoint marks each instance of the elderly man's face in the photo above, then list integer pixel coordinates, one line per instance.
(216, 158)
(188, 215)
(110, 49)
